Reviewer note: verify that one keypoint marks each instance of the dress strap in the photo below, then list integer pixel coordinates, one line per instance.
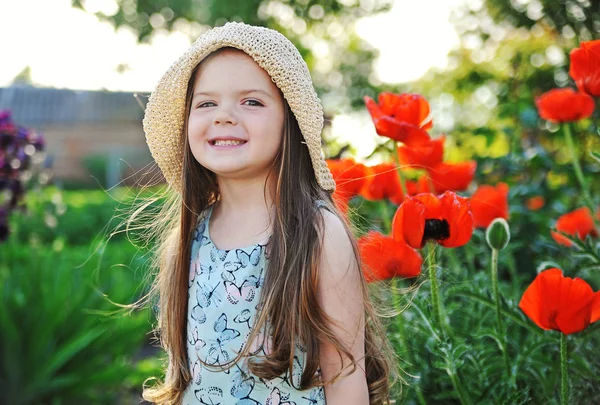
(321, 204)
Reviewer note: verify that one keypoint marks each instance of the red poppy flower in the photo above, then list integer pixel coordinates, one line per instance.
(489, 203)
(401, 117)
(565, 304)
(383, 182)
(426, 155)
(575, 223)
(446, 219)
(535, 203)
(349, 177)
(384, 258)
(564, 105)
(585, 67)
(452, 176)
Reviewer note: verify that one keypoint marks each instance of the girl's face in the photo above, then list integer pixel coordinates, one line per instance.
(233, 97)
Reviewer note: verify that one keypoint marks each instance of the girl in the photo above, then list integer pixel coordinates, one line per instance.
(261, 293)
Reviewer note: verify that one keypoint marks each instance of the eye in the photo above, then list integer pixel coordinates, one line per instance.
(257, 103)
(204, 104)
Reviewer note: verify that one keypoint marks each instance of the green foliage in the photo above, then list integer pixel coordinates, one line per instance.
(63, 340)
(579, 17)
(76, 217)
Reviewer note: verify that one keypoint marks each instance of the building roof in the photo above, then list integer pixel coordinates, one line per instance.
(35, 106)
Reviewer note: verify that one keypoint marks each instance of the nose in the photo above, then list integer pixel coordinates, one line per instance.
(224, 116)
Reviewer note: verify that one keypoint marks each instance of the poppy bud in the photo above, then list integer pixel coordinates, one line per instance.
(497, 234)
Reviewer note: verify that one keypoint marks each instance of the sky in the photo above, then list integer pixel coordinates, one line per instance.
(69, 48)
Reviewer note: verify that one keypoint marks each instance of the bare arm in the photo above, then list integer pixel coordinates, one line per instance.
(340, 296)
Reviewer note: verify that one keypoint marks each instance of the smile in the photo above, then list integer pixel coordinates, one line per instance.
(226, 143)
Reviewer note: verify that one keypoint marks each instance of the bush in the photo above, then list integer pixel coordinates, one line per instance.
(63, 342)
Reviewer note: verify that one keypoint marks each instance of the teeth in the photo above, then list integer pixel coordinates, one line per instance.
(227, 142)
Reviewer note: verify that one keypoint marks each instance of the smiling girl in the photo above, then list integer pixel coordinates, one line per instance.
(261, 294)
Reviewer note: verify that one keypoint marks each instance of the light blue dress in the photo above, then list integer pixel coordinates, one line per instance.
(224, 289)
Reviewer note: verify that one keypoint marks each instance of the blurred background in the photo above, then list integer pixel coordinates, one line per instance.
(75, 76)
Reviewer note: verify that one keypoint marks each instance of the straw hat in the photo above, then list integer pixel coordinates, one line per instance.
(164, 117)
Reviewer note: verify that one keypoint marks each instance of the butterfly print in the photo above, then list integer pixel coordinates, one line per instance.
(216, 354)
(216, 253)
(209, 396)
(194, 339)
(316, 396)
(242, 388)
(206, 270)
(244, 317)
(253, 258)
(246, 292)
(197, 372)
(205, 296)
(277, 398)
(230, 268)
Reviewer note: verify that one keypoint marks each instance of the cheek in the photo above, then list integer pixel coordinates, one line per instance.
(195, 127)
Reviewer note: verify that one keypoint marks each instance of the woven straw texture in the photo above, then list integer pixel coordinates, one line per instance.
(164, 116)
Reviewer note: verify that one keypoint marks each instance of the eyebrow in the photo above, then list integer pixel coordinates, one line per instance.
(242, 92)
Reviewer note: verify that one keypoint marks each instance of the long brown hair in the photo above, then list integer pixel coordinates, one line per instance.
(295, 245)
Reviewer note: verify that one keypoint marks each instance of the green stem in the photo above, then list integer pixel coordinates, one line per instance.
(387, 218)
(433, 281)
(564, 384)
(501, 334)
(462, 395)
(577, 167)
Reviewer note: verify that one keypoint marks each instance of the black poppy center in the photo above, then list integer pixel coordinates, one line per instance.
(436, 229)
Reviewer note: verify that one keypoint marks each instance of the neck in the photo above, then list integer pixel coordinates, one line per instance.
(246, 200)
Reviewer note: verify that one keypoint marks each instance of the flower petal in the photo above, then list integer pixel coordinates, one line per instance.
(565, 105)
(457, 211)
(408, 224)
(560, 303)
(575, 305)
(489, 203)
(578, 223)
(384, 258)
(585, 67)
(452, 176)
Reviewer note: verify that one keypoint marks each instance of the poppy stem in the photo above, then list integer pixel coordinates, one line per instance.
(576, 166)
(564, 383)
(387, 218)
(501, 334)
(433, 282)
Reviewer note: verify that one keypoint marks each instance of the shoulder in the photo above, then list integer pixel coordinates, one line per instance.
(337, 254)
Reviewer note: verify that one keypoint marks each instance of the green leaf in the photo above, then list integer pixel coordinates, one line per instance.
(70, 350)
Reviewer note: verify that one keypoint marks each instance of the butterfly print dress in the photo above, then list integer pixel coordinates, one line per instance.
(223, 292)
